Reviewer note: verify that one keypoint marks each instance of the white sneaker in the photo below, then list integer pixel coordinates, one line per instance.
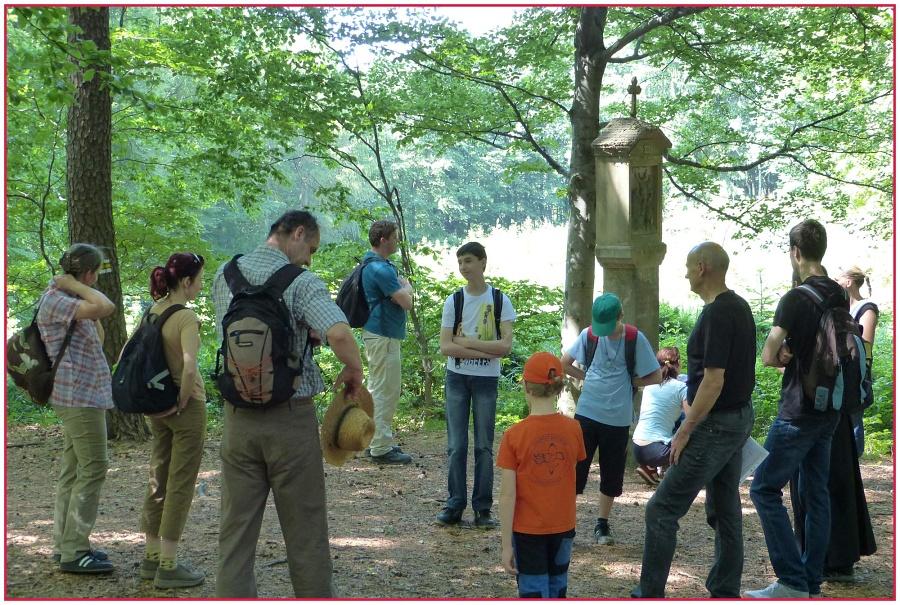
(776, 590)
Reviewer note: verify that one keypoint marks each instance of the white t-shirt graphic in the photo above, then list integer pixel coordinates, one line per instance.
(477, 322)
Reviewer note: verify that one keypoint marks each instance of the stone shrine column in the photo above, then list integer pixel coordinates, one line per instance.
(628, 160)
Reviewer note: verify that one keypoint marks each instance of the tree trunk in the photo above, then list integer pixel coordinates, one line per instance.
(427, 362)
(585, 123)
(89, 188)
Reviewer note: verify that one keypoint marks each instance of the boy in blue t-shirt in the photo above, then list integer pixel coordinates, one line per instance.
(605, 409)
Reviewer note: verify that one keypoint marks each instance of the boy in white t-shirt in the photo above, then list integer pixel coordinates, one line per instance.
(473, 337)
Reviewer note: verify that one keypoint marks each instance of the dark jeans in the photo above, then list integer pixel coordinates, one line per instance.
(803, 444)
(463, 393)
(652, 454)
(711, 459)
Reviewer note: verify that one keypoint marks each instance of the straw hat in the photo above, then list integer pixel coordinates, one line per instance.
(347, 427)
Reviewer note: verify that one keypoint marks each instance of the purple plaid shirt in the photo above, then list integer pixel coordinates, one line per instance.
(83, 379)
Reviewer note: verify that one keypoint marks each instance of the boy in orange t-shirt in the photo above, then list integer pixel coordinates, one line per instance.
(537, 494)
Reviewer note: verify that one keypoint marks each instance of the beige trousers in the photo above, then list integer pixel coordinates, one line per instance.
(383, 354)
(174, 464)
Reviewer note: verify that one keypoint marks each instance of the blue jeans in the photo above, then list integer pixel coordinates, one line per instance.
(462, 393)
(711, 459)
(803, 444)
(543, 564)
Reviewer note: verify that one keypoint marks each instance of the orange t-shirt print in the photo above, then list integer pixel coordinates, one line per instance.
(543, 451)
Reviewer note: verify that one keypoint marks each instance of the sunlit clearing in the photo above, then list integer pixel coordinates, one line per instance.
(363, 542)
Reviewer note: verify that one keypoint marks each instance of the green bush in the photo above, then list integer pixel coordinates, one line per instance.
(539, 314)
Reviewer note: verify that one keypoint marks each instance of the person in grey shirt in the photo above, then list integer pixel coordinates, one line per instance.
(277, 447)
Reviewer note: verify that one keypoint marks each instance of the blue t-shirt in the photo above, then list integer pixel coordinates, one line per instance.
(380, 280)
(606, 396)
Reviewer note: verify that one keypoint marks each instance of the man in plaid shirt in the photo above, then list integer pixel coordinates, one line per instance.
(277, 447)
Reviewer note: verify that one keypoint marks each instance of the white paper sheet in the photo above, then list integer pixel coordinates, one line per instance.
(751, 456)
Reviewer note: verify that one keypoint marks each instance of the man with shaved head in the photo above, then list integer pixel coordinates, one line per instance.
(706, 450)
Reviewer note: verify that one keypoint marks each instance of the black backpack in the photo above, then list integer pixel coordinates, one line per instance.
(257, 339)
(351, 296)
(142, 382)
(838, 377)
(28, 363)
(459, 300)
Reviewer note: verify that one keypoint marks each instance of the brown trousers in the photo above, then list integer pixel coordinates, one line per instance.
(273, 449)
(174, 465)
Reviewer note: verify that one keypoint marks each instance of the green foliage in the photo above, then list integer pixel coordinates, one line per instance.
(21, 410)
(536, 328)
(879, 419)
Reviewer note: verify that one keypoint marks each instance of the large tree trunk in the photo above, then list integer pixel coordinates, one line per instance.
(585, 122)
(89, 188)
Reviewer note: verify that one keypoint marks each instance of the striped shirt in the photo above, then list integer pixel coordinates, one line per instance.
(307, 299)
(82, 378)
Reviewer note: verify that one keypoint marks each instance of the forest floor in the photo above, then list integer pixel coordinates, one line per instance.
(384, 541)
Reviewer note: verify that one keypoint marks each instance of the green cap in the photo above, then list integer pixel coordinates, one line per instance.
(605, 314)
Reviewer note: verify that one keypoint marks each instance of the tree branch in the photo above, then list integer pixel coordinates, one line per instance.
(500, 87)
(557, 167)
(655, 22)
(495, 84)
(784, 150)
(705, 204)
(837, 179)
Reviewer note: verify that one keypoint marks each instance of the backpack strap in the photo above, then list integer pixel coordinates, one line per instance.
(813, 295)
(458, 299)
(65, 344)
(365, 262)
(498, 307)
(62, 349)
(233, 276)
(630, 346)
(590, 348)
(163, 317)
(283, 277)
(869, 306)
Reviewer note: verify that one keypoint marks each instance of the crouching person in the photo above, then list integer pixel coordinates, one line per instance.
(537, 494)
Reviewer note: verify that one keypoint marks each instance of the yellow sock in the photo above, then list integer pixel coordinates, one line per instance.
(166, 563)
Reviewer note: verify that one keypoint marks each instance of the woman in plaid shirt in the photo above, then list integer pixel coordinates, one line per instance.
(82, 392)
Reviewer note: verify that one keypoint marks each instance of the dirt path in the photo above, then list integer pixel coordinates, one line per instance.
(384, 542)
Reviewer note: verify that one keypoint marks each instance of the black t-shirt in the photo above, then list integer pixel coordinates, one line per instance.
(724, 337)
(799, 316)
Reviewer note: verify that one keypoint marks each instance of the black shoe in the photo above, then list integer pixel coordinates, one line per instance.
(483, 519)
(839, 574)
(98, 554)
(601, 535)
(368, 451)
(86, 564)
(449, 516)
(394, 456)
